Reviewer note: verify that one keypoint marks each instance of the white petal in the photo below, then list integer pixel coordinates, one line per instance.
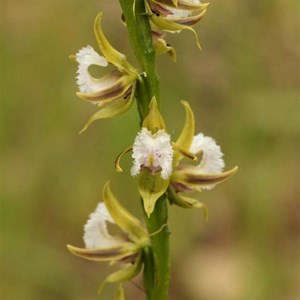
(178, 13)
(87, 57)
(212, 157)
(95, 230)
(152, 151)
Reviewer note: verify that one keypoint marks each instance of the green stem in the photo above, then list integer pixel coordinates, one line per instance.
(157, 226)
(140, 36)
(156, 257)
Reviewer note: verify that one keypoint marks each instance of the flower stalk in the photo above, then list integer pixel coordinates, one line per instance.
(156, 257)
(140, 36)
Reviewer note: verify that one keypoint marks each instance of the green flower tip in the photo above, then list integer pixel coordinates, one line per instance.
(154, 120)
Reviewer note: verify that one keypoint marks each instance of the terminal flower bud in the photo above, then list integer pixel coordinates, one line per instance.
(114, 92)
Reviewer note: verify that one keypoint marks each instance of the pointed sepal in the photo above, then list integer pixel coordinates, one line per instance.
(125, 274)
(161, 47)
(154, 120)
(187, 178)
(111, 109)
(119, 252)
(124, 219)
(185, 139)
(111, 54)
(176, 24)
(187, 202)
(119, 157)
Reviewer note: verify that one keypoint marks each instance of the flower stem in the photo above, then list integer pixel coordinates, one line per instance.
(156, 257)
(139, 30)
(157, 225)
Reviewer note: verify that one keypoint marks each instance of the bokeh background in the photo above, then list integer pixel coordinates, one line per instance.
(244, 89)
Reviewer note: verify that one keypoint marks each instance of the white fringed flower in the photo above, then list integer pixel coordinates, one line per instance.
(181, 13)
(125, 250)
(95, 230)
(212, 157)
(87, 57)
(152, 151)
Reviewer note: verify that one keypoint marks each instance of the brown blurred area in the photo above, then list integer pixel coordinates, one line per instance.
(244, 89)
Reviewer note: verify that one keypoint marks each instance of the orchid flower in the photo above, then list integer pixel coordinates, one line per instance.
(100, 246)
(204, 175)
(176, 15)
(152, 154)
(157, 161)
(114, 92)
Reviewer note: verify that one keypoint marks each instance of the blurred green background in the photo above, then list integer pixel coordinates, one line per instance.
(244, 89)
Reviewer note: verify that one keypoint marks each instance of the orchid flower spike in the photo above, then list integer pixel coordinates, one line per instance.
(176, 15)
(114, 92)
(152, 154)
(100, 246)
(206, 174)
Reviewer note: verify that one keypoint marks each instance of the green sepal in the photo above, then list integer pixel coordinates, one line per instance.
(114, 253)
(187, 202)
(125, 274)
(124, 219)
(111, 54)
(154, 120)
(184, 153)
(193, 180)
(118, 159)
(111, 109)
(151, 187)
(171, 25)
(120, 294)
(185, 139)
(175, 2)
(161, 47)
